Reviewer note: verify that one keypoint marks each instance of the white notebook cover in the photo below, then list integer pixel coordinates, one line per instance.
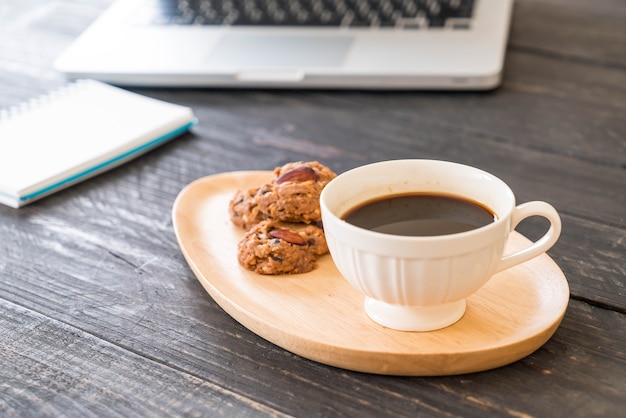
(74, 133)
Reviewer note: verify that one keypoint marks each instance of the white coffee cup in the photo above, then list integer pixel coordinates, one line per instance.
(420, 283)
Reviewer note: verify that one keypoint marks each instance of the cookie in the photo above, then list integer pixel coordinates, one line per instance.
(275, 247)
(293, 195)
(243, 209)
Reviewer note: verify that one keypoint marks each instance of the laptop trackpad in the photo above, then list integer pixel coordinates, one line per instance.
(245, 51)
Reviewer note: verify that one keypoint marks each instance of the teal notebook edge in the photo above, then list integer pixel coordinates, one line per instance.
(76, 132)
(19, 201)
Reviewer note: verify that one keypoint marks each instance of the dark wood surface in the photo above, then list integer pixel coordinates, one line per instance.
(101, 316)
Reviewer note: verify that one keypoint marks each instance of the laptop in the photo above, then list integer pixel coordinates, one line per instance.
(343, 44)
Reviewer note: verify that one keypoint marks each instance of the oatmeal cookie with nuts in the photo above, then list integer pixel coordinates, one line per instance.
(243, 209)
(275, 247)
(293, 195)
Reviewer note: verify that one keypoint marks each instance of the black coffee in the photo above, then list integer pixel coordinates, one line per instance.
(420, 215)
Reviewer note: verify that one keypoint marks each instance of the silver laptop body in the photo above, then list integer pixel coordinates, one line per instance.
(131, 44)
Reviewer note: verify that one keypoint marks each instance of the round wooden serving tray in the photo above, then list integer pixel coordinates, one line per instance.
(320, 316)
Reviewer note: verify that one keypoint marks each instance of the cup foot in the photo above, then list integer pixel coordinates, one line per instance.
(414, 318)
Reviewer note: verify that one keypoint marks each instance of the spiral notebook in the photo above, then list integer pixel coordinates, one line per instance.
(77, 132)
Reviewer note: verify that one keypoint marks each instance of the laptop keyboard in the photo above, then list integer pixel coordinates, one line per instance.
(408, 14)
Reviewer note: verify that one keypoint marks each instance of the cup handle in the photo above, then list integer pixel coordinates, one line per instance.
(540, 246)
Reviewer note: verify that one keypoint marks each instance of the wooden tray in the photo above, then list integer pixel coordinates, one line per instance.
(320, 316)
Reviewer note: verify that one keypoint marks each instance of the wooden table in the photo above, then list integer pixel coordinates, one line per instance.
(101, 316)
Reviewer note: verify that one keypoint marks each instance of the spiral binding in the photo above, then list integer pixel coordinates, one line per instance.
(43, 100)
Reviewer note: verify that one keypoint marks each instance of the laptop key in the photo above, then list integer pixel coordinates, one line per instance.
(414, 14)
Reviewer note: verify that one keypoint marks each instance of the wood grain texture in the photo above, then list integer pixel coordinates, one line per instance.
(574, 32)
(52, 369)
(101, 316)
